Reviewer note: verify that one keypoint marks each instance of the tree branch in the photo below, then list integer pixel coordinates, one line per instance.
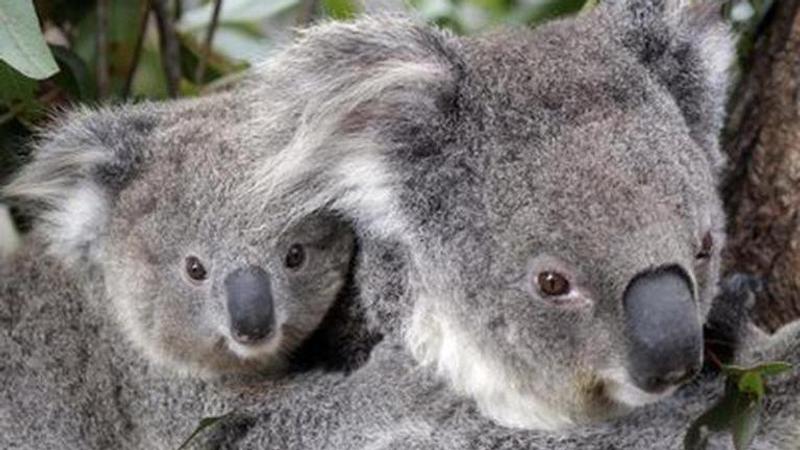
(201, 65)
(144, 16)
(168, 42)
(763, 193)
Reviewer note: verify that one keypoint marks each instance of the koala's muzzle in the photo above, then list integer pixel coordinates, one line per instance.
(250, 304)
(664, 332)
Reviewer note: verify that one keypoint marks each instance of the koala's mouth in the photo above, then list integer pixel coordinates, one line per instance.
(268, 346)
(620, 389)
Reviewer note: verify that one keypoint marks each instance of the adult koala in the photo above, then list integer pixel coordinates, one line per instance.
(553, 193)
(392, 403)
(144, 234)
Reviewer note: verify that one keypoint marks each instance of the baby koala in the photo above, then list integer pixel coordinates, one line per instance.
(152, 201)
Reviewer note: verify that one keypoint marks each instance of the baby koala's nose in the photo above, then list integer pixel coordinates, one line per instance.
(665, 337)
(250, 304)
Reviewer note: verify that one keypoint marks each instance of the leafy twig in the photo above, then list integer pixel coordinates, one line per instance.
(212, 26)
(144, 17)
(168, 41)
(204, 423)
(740, 408)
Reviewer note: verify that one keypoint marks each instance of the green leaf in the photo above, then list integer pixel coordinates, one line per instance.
(15, 87)
(745, 424)
(543, 10)
(773, 368)
(340, 9)
(751, 383)
(22, 45)
(769, 368)
(74, 76)
(717, 418)
(739, 409)
(205, 422)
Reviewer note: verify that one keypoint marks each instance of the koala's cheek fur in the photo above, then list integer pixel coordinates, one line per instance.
(128, 286)
(507, 393)
(168, 320)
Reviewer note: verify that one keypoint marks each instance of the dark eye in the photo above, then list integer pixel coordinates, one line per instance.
(706, 246)
(195, 269)
(295, 256)
(552, 283)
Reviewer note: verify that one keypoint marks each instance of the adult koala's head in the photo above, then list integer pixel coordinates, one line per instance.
(555, 190)
(202, 276)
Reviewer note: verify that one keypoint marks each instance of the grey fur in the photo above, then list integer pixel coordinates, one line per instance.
(135, 190)
(574, 147)
(121, 196)
(477, 162)
(392, 403)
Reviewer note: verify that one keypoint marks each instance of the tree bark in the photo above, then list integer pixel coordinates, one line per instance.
(763, 188)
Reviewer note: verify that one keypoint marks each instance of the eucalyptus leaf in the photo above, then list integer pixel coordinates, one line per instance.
(22, 45)
(717, 418)
(15, 87)
(75, 77)
(752, 383)
(766, 369)
(543, 10)
(340, 9)
(773, 368)
(746, 420)
(205, 422)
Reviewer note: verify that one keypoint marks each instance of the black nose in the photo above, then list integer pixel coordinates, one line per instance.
(665, 336)
(250, 304)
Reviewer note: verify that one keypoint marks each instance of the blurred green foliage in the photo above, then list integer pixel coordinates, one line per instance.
(126, 61)
(129, 64)
(466, 16)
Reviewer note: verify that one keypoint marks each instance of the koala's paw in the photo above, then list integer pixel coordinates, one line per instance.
(729, 323)
(740, 289)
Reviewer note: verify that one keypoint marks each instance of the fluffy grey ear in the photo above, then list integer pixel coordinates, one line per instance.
(77, 166)
(360, 88)
(690, 49)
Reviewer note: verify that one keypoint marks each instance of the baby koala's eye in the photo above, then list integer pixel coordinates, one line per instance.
(706, 246)
(195, 269)
(295, 256)
(552, 283)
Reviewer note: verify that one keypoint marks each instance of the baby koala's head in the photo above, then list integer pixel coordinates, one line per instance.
(201, 275)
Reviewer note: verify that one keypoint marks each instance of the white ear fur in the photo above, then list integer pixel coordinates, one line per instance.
(72, 227)
(347, 166)
(9, 238)
(703, 25)
(68, 205)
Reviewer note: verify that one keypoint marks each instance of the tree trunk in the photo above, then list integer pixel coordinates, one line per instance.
(763, 188)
